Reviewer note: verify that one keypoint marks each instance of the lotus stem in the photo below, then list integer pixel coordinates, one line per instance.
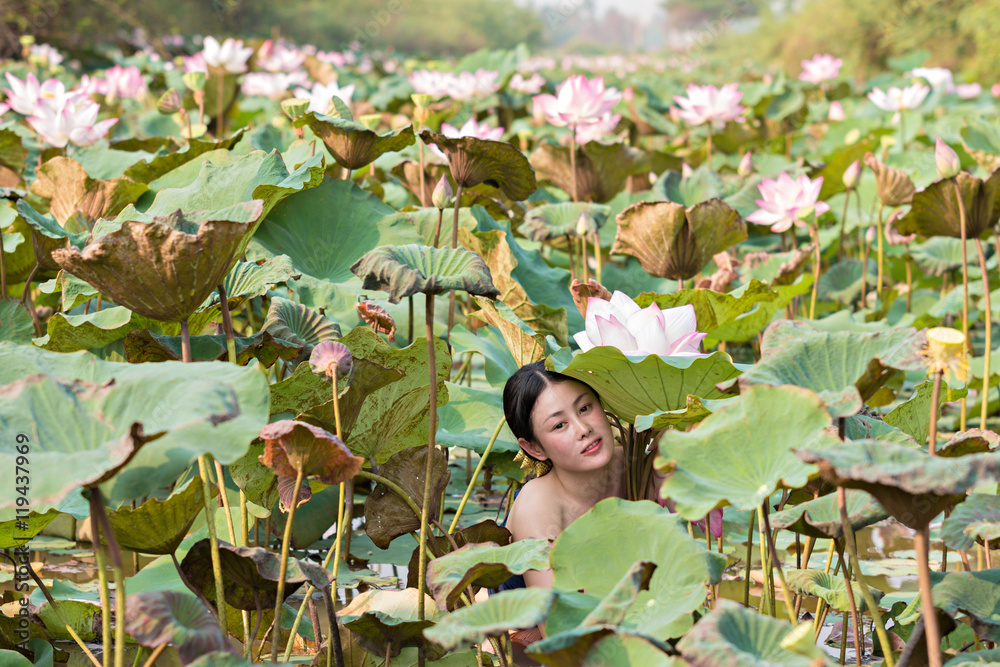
(921, 541)
(569, 251)
(989, 334)
(227, 327)
(864, 268)
(770, 607)
(814, 232)
(221, 483)
(820, 610)
(420, 146)
(962, 225)
(843, 225)
(597, 256)
(186, 349)
(26, 298)
(902, 132)
(497, 648)
(777, 564)
(409, 331)
(154, 655)
(881, 252)
(475, 475)
(432, 432)
(437, 228)
(283, 568)
(583, 258)
(244, 530)
(334, 640)
(98, 515)
(3, 269)
(746, 579)
(348, 172)
(213, 537)
(854, 607)
(220, 90)
(572, 162)
(451, 294)
(852, 550)
(935, 399)
(256, 627)
(843, 638)
(102, 579)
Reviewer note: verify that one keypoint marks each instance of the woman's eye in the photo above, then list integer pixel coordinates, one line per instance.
(558, 426)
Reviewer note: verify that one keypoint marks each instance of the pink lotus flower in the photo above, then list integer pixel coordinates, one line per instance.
(121, 82)
(336, 58)
(822, 67)
(45, 55)
(968, 91)
(321, 96)
(470, 129)
(72, 122)
(25, 96)
(275, 58)
(640, 331)
(274, 86)
(195, 63)
(995, 90)
(899, 99)
(580, 101)
(531, 86)
(230, 55)
(710, 104)
(597, 130)
(428, 82)
(472, 85)
(784, 198)
(3, 109)
(836, 112)
(892, 234)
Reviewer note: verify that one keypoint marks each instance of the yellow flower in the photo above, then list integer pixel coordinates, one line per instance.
(946, 353)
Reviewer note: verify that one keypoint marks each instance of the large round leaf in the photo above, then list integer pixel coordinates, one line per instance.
(518, 609)
(352, 144)
(159, 527)
(483, 566)
(845, 368)
(142, 346)
(750, 439)
(180, 619)
(497, 163)
(731, 636)
(377, 617)
(974, 594)
(978, 518)
(828, 587)
(935, 210)
(387, 516)
(820, 518)
(16, 531)
(602, 169)
(293, 447)
(405, 270)
(632, 388)
(640, 531)
(913, 486)
(940, 254)
(75, 196)
(553, 220)
(990, 658)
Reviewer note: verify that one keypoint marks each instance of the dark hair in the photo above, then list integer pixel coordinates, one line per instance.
(522, 391)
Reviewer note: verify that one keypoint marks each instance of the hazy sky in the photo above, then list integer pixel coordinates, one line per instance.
(641, 8)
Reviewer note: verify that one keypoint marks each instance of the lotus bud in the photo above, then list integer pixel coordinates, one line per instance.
(584, 225)
(948, 164)
(686, 170)
(330, 357)
(294, 107)
(170, 102)
(946, 352)
(836, 112)
(745, 167)
(852, 175)
(421, 101)
(995, 90)
(194, 80)
(871, 235)
(442, 195)
(628, 94)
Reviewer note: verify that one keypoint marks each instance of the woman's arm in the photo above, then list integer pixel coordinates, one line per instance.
(534, 515)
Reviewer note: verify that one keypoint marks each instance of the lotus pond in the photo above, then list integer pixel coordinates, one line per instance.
(258, 305)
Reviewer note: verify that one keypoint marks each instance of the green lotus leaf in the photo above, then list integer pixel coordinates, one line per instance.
(600, 646)
(143, 345)
(469, 418)
(159, 269)
(694, 411)
(250, 574)
(913, 417)
(911, 485)
(626, 650)
(698, 185)
(250, 279)
(829, 588)
(159, 527)
(220, 659)
(482, 566)
(554, 220)
(16, 531)
(978, 518)
(83, 616)
(673, 242)
(488, 342)
(149, 170)
(732, 636)
(15, 322)
(180, 619)
(939, 255)
(666, 382)
(293, 447)
(473, 161)
(477, 533)
(842, 282)
(982, 141)
(75, 292)
(255, 479)
(751, 438)
(13, 154)
(70, 333)
(974, 594)
(602, 169)
(14, 659)
(820, 517)
(640, 531)
(837, 162)
(46, 228)
(735, 316)
(863, 427)
(405, 270)
(845, 368)
(518, 609)
(973, 441)
(352, 144)
(387, 516)
(376, 618)
(935, 210)
(298, 324)
(989, 658)
(194, 393)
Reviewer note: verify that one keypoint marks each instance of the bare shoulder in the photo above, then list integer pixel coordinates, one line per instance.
(536, 512)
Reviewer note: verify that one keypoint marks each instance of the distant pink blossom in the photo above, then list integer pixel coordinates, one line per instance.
(71, 123)
(195, 63)
(470, 129)
(276, 58)
(784, 198)
(822, 67)
(995, 90)
(836, 113)
(705, 104)
(121, 82)
(430, 82)
(637, 331)
(472, 85)
(531, 86)
(968, 91)
(582, 103)
(274, 86)
(940, 78)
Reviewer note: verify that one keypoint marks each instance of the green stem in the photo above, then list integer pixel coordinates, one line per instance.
(97, 511)
(814, 232)
(843, 226)
(392, 486)
(428, 470)
(921, 541)
(597, 256)
(221, 483)
(708, 146)
(3, 269)
(572, 162)
(746, 579)
(881, 256)
(220, 89)
(451, 294)
(776, 563)
(285, 542)
(227, 327)
(989, 334)
(213, 537)
(962, 226)
(102, 579)
(475, 475)
(935, 400)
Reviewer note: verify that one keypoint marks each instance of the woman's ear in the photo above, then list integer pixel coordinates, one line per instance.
(534, 450)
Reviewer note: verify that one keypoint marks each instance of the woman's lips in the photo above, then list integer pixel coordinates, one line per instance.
(593, 447)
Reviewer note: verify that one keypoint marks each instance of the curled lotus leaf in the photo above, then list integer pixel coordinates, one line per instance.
(602, 169)
(408, 172)
(554, 220)
(911, 485)
(820, 517)
(405, 270)
(828, 587)
(977, 519)
(751, 437)
(16, 531)
(524, 344)
(164, 269)
(845, 368)
(13, 153)
(378, 617)
(477, 533)
(483, 566)
(159, 526)
(387, 516)
(496, 163)
(518, 609)
(975, 595)
(292, 447)
(935, 209)
(939, 255)
(732, 636)
(299, 324)
(973, 441)
(674, 242)
(894, 186)
(351, 143)
(73, 194)
(156, 618)
(286, 489)
(249, 574)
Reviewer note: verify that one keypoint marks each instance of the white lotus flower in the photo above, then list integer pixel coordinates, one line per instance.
(899, 99)
(640, 331)
(230, 55)
(321, 96)
(937, 77)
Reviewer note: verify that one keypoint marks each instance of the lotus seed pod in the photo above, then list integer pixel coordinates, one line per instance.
(170, 102)
(442, 195)
(852, 175)
(194, 80)
(946, 352)
(948, 164)
(421, 101)
(330, 356)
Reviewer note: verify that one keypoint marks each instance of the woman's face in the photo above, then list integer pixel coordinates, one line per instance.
(571, 429)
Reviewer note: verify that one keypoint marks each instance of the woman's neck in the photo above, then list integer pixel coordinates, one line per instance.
(587, 488)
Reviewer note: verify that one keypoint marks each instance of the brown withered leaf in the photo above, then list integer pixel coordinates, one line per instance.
(473, 161)
(894, 186)
(935, 210)
(292, 446)
(73, 193)
(583, 292)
